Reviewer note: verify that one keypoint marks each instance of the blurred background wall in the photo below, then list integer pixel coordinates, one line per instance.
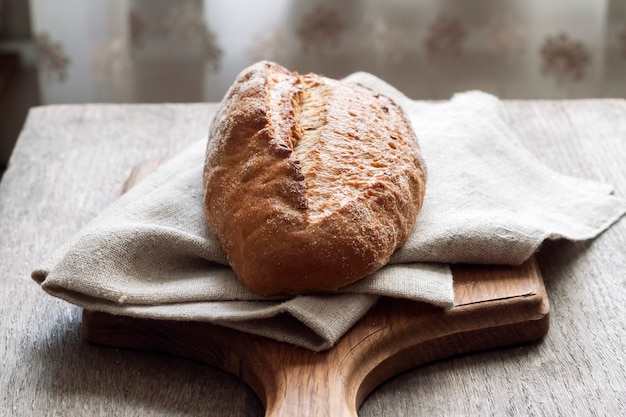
(121, 51)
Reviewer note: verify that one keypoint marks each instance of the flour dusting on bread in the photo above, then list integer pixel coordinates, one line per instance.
(311, 183)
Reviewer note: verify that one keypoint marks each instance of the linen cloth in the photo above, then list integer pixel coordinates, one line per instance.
(488, 200)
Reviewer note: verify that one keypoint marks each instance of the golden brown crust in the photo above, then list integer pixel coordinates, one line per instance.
(311, 183)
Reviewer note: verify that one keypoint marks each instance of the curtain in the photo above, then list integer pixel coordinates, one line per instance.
(191, 50)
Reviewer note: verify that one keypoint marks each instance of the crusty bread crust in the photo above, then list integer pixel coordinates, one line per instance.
(311, 183)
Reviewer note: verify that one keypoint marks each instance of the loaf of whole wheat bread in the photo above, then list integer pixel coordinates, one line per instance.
(311, 183)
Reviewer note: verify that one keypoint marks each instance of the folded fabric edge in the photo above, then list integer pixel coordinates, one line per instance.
(594, 233)
(274, 328)
(604, 227)
(610, 208)
(427, 282)
(359, 305)
(300, 331)
(39, 275)
(422, 282)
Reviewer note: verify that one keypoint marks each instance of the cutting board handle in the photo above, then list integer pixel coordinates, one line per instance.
(313, 389)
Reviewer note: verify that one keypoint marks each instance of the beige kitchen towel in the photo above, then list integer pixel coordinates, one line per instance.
(488, 201)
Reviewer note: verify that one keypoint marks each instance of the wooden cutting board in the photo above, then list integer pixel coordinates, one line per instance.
(494, 306)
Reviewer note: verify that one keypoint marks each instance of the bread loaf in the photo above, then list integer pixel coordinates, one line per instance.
(311, 183)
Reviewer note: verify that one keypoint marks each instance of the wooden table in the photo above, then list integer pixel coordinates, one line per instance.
(70, 162)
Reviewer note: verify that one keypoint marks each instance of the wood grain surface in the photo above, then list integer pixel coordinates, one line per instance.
(68, 165)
